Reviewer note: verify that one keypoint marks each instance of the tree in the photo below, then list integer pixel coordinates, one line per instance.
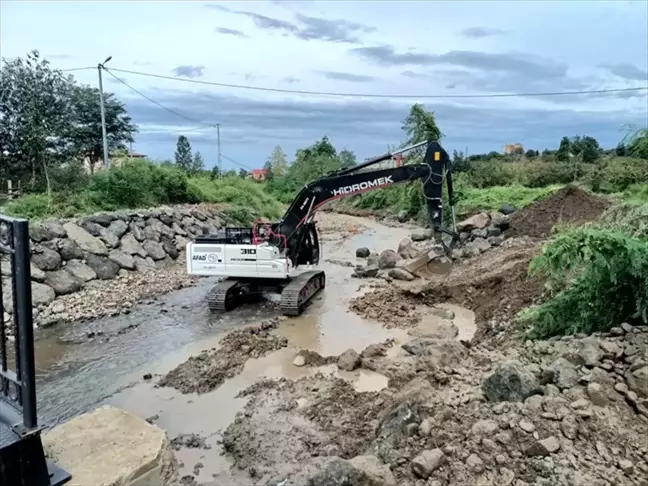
(36, 117)
(420, 125)
(279, 162)
(86, 137)
(587, 147)
(268, 171)
(637, 142)
(314, 161)
(621, 150)
(198, 164)
(347, 159)
(530, 154)
(215, 172)
(243, 173)
(183, 158)
(564, 150)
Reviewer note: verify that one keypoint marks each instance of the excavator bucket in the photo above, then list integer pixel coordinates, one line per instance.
(433, 262)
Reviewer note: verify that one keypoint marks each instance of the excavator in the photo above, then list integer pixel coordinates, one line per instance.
(282, 257)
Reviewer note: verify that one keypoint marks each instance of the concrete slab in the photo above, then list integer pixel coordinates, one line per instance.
(110, 447)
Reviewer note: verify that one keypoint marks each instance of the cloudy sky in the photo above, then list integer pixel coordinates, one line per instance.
(433, 52)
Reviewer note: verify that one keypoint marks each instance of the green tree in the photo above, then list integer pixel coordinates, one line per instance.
(36, 117)
(314, 161)
(279, 162)
(86, 137)
(564, 150)
(198, 164)
(183, 158)
(587, 147)
(347, 159)
(420, 125)
(215, 173)
(243, 173)
(268, 171)
(530, 154)
(621, 150)
(637, 142)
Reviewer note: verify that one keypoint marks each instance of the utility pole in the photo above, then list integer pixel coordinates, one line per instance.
(220, 161)
(100, 67)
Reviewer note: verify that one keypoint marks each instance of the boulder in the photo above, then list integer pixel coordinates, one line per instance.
(181, 243)
(421, 234)
(506, 209)
(69, 250)
(150, 233)
(38, 233)
(372, 260)
(144, 264)
(154, 249)
(178, 230)
(493, 231)
(92, 228)
(54, 228)
(427, 462)
(130, 245)
(104, 219)
(169, 248)
(362, 252)
(388, 259)
(63, 282)
(124, 260)
(561, 373)
(109, 238)
(118, 228)
(105, 268)
(544, 447)
(477, 247)
(406, 249)
(402, 216)
(46, 259)
(479, 233)
(478, 221)
(510, 382)
(41, 294)
(136, 231)
(36, 273)
(85, 240)
(401, 274)
(349, 360)
(80, 270)
(637, 380)
(376, 471)
(590, 351)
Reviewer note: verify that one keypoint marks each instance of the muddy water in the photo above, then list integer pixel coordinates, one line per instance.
(156, 337)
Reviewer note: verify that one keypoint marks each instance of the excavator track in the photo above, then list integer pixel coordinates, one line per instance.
(300, 291)
(224, 296)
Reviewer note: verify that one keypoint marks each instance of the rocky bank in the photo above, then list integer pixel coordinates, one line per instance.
(104, 263)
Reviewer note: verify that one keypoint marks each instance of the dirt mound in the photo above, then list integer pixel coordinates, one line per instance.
(568, 205)
(203, 373)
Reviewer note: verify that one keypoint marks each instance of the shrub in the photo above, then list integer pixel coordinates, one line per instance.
(618, 173)
(596, 278)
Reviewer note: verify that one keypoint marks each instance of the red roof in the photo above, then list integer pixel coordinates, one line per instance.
(258, 171)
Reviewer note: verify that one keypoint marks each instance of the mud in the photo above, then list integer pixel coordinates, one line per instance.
(569, 205)
(203, 373)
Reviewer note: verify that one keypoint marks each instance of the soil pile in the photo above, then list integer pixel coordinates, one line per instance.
(568, 205)
(205, 372)
(563, 411)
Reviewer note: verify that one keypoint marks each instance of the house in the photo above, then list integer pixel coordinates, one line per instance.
(513, 148)
(115, 160)
(257, 174)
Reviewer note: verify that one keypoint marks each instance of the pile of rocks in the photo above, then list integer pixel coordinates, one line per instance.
(68, 255)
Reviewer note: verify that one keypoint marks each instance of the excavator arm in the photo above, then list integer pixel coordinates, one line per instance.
(296, 230)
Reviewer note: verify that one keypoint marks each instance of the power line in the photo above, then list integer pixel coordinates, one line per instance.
(367, 95)
(78, 69)
(211, 125)
(235, 162)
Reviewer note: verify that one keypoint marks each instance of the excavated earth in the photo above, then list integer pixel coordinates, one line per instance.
(486, 409)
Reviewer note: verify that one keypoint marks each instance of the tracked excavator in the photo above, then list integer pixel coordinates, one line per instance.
(282, 257)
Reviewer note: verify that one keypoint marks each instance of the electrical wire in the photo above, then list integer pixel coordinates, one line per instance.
(77, 69)
(369, 95)
(235, 162)
(211, 125)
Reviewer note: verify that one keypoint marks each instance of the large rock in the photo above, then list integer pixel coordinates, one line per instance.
(421, 234)
(349, 360)
(118, 228)
(181, 243)
(104, 219)
(104, 268)
(91, 227)
(109, 238)
(169, 247)
(85, 240)
(41, 294)
(388, 259)
(81, 270)
(478, 221)
(477, 247)
(506, 209)
(637, 380)
(362, 252)
(124, 260)
(55, 228)
(130, 245)
(144, 264)
(84, 447)
(590, 351)
(377, 472)
(406, 249)
(69, 250)
(427, 462)
(402, 216)
(401, 274)
(510, 382)
(39, 234)
(178, 230)
(63, 282)
(561, 373)
(151, 234)
(136, 231)
(46, 258)
(154, 249)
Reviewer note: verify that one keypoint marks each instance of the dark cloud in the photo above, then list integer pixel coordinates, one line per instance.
(627, 71)
(305, 27)
(513, 62)
(234, 32)
(189, 71)
(252, 127)
(290, 80)
(354, 78)
(413, 75)
(479, 32)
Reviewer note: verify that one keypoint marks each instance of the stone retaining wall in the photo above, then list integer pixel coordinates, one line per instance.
(67, 254)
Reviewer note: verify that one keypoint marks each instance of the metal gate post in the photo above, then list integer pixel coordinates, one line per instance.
(22, 460)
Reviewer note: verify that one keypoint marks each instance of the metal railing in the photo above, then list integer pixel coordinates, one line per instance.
(22, 461)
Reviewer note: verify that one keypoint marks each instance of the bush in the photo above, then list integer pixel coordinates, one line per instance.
(618, 174)
(596, 278)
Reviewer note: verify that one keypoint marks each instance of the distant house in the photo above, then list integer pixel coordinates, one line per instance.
(257, 174)
(115, 160)
(513, 148)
